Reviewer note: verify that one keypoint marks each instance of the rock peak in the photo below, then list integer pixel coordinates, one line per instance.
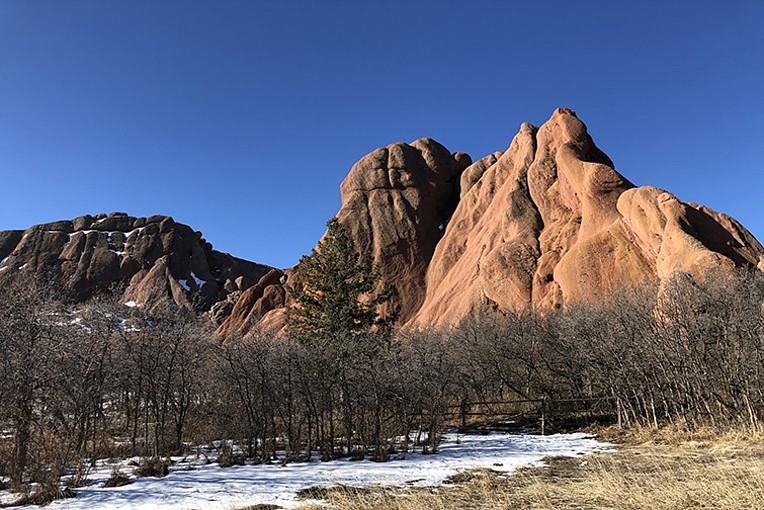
(563, 111)
(546, 222)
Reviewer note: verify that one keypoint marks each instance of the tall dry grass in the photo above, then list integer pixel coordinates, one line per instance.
(667, 469)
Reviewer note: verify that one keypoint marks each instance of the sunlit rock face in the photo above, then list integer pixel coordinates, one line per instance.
(550, 222)
(545, 223)
(150, 261)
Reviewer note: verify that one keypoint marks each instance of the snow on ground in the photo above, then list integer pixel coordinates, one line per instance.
(195, 485)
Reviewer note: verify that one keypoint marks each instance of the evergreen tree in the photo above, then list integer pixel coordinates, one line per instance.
(335, 278)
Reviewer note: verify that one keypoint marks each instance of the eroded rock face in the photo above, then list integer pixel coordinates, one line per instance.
(489, 251)
(547, 222)
(153, 260)
(254, 303)
(396, 203)
(551, 222)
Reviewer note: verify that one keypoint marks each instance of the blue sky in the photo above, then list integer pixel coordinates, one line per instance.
(241, 118)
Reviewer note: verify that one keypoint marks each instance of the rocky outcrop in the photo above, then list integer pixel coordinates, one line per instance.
(551, 222)
(268, 295)
(547, 222)
(151, 260)
(396, 202)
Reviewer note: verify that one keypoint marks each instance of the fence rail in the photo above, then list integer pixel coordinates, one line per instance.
(542, 406)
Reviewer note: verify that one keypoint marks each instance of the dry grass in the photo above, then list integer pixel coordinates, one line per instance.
(666, 469)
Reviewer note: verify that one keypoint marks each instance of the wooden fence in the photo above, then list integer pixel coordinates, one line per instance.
(544, 409)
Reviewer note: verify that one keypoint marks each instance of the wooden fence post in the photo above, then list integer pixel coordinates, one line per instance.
(543, 416)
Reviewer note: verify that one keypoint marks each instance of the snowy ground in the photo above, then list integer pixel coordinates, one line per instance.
(195, 485)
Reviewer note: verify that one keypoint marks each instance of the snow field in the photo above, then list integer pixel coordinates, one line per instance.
(195, 484)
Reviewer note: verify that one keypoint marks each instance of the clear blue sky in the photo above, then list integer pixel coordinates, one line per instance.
(241, 118)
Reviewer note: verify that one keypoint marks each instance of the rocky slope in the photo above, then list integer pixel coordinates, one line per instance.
(547, 222)
(151, 260)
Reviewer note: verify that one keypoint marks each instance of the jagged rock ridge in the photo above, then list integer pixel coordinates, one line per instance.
(547, 222)
(155, 260)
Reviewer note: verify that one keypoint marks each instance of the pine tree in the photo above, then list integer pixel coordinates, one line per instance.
(336, 309)
(335, 299)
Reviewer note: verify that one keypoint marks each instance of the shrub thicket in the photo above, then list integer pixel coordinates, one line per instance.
(106, 380)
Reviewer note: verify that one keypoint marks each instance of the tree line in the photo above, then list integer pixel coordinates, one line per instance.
(102, 379)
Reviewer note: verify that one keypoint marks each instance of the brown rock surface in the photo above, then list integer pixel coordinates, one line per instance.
(154, 260)
(396, 202)
(551, 222)
(547, 222)
(266, 295)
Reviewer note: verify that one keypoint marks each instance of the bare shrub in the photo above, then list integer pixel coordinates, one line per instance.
(156, 467)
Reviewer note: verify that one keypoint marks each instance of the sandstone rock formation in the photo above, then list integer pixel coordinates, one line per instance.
(154, 260)
(268, 295)
(396, 202)
(551, 222)
(547, 222)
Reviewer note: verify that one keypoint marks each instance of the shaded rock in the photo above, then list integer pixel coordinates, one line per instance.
(8, 242)
(152, 261)
(396, 202)
(243, 283)
(255, 302)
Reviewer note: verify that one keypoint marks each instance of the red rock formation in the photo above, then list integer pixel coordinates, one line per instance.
(547, 222)
(255, 302)
(551, 222)
(395, 204)
(154, 259)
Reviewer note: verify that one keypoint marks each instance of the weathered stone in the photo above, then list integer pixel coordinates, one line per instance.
(545, 223)
(551, 222)
(255, 302)
(148, 260)
(396, 202)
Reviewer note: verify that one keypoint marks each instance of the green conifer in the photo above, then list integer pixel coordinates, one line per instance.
(335, 295)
